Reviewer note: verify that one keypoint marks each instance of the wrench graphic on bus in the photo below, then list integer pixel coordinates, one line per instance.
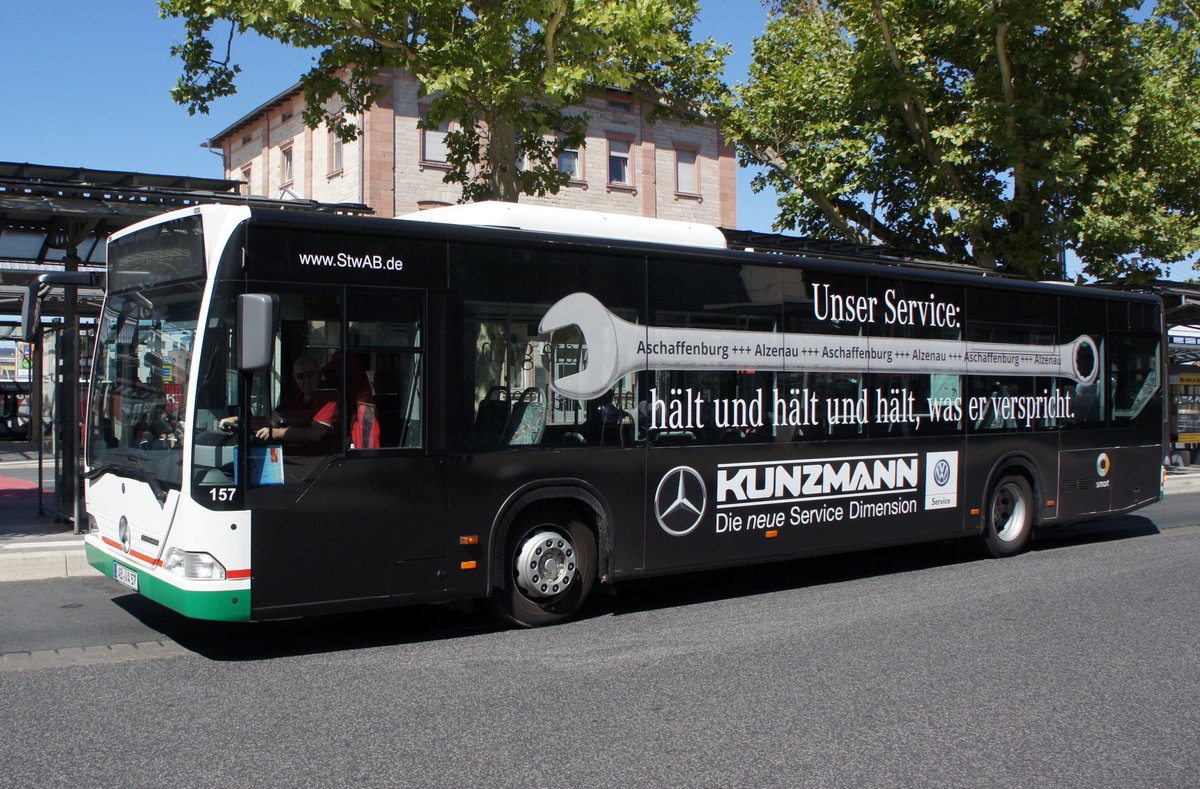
(616, 347)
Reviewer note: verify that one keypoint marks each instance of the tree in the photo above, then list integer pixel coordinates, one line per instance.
(506, 72)
(998, 133)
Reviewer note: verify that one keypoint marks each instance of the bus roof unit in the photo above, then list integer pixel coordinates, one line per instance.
(574, 222)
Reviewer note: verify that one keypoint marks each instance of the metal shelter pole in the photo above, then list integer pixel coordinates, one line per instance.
(36, 415)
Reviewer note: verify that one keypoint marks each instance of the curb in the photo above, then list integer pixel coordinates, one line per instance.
(1182, 483)
(38, 562)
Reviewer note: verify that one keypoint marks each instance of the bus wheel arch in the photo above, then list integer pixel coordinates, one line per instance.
(547, 548)
(1011, 506)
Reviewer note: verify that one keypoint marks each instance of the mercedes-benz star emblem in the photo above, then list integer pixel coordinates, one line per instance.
(123, 534)
(680, 500)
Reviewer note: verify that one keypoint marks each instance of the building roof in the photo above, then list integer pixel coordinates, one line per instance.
(214, 142)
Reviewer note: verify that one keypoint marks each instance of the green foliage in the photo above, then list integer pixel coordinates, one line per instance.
(998, 133)
(506, 72)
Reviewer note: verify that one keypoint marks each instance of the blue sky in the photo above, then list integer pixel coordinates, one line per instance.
(85, 83)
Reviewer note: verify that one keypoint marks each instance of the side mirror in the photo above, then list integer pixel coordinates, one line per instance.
(31, 310)
(257, 315)
(31, 303)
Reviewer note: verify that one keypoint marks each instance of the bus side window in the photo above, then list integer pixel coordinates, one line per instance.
(214, 454)
(383, 399)
(1134, 375)
(1025, 320)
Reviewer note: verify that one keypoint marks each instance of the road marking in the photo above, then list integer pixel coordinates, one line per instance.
(90, 656)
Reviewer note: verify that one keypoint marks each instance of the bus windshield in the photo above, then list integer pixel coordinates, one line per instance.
(144, 346)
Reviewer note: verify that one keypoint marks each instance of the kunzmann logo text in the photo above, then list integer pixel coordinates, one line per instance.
(754, 484)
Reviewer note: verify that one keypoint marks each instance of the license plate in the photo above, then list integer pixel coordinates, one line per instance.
(125, 576)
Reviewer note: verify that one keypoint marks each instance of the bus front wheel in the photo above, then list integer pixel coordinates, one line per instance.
(551, 568)
(1009, 516)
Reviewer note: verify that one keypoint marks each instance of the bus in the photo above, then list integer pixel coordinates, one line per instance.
(294, 414)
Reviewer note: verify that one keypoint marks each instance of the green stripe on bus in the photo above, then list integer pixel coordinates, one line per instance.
(224, 606)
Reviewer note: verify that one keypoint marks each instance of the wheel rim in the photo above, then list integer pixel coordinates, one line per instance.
(1008, 512)
(545, 565)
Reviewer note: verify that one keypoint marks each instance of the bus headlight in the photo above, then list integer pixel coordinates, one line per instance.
(193, 566)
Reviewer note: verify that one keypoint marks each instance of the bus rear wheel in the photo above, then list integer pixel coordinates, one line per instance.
(1009, 516)
(551, 567)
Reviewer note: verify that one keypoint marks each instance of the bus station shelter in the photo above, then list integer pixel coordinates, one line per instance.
(56, 219)
(1181, 303)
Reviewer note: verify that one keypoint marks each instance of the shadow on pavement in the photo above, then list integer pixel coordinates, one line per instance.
(1120, 527)
(840, 568)
(414, 624)
(310, 635)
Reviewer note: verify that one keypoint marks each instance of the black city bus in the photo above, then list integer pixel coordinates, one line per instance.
(501, 414)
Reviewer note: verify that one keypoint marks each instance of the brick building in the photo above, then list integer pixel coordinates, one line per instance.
(667, 169)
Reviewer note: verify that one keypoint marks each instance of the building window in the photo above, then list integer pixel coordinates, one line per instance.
(336, 154)
(569, 162)
(687, 179)
(285, 164)
(520, 162)
(433, 144)
(619, 171)
(247, 172)
(287, 116)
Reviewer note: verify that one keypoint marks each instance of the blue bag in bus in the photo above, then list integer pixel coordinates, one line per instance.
(266, 465)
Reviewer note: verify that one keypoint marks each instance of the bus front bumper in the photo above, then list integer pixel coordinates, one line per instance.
(223, 605)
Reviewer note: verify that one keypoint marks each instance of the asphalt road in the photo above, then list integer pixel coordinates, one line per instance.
(1075, 664)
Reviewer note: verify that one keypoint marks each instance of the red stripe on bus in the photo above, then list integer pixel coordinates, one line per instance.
(140, 556)
(158, 562)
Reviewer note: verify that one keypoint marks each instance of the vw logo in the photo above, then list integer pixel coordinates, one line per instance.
(1103, 464)
(941, 473)
(680, 500)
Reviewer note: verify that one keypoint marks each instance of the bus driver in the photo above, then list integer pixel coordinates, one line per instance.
(308, 414)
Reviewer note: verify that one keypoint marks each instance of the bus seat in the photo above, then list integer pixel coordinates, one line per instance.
(491, 418)
(527, 420)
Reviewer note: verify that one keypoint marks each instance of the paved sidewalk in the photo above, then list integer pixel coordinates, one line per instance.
(34, 547)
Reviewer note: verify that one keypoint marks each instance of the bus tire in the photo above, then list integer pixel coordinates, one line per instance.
(1009, 516)
(551, 566)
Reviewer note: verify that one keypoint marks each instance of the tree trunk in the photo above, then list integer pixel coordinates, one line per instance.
(503, 177)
